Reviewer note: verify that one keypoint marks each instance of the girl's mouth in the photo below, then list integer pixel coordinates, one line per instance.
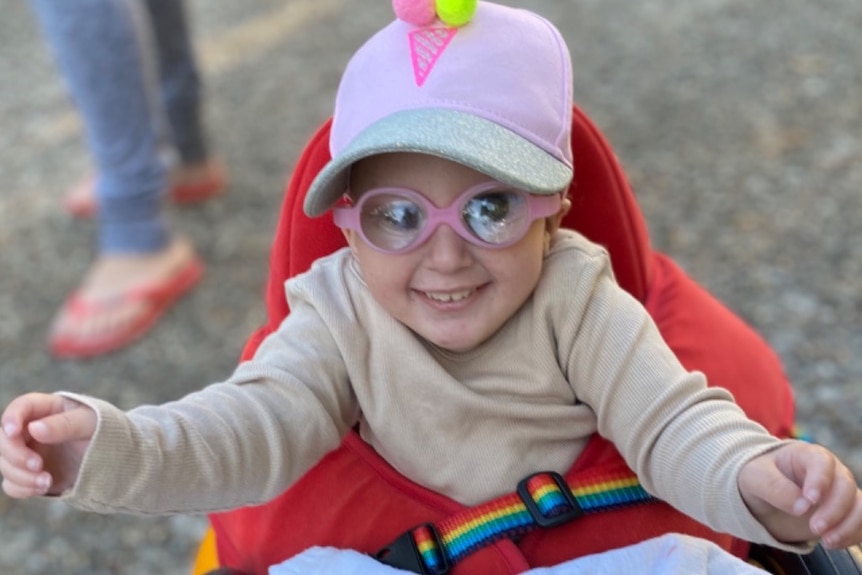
(449, 297)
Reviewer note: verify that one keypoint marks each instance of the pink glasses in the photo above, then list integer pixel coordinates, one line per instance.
(491, 215)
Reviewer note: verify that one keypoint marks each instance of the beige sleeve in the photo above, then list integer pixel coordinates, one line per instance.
(231, 444)
(686, 442)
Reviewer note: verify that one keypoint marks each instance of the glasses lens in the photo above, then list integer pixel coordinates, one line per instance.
(391, 222)
(496, 216)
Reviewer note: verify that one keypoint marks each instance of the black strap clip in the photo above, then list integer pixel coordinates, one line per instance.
(572, 512)
(403, 553)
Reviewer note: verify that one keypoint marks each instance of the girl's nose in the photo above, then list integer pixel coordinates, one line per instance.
(447, 251)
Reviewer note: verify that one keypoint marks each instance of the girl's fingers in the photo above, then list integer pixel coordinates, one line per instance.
(11, 429)
(22, 477)
(849, 530)
(21, 482)
(818, 466)
(27, 408)
(782, 493)
(836, 502)
(71, 425)
(765, 486)
(16, 452)
(19, 491)
(21, 456)
(834, 496)
(811, 467)
(21, 468)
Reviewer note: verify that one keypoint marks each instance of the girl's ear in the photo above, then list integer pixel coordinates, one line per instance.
(554, 222)
(350, 236)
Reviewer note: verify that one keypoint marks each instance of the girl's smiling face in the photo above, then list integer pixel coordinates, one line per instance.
(451, 292)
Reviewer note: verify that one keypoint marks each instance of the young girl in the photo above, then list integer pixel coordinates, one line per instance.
(459, 312)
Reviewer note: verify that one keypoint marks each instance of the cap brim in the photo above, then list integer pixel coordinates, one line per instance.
(457, 136)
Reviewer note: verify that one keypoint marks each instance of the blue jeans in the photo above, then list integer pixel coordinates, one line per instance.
(130, 68)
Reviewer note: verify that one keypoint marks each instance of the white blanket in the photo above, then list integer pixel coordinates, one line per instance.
(667, 555)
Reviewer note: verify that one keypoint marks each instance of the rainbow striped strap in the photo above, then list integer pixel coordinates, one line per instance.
(543, 499)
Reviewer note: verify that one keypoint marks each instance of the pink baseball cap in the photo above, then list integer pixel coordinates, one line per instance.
(494, 94)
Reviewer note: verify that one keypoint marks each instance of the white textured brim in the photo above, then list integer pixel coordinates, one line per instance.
(458, 136)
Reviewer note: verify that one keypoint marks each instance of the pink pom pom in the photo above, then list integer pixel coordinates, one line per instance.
(416, 12)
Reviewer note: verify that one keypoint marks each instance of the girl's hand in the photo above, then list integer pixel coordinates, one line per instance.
(42, 443)
(801, 492)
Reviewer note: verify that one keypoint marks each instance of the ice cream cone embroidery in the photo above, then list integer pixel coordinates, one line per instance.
(426, 47)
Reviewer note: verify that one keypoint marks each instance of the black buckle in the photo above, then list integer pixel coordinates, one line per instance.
(403, 553)
(574, 512)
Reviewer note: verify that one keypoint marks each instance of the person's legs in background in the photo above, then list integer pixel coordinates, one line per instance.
(107, 56)
(194, 176)
(197, 173)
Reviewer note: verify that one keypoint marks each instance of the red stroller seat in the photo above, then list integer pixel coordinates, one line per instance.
(347, 500)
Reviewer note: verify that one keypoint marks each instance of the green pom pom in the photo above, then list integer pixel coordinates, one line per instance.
(456, 12)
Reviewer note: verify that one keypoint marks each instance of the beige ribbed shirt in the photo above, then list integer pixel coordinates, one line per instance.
(580, 356)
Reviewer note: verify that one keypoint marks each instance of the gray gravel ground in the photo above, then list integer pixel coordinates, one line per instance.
(738, 122)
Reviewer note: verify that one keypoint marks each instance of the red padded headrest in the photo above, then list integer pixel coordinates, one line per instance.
(603, 209)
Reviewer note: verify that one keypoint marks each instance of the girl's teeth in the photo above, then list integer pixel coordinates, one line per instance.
(448, 297)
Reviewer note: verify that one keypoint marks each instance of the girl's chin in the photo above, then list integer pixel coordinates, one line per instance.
(456, 343)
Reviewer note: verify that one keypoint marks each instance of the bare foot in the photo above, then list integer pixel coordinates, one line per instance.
(121, 297)
(189, 184)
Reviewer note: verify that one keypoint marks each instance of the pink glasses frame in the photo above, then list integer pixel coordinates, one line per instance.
(538, 206)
